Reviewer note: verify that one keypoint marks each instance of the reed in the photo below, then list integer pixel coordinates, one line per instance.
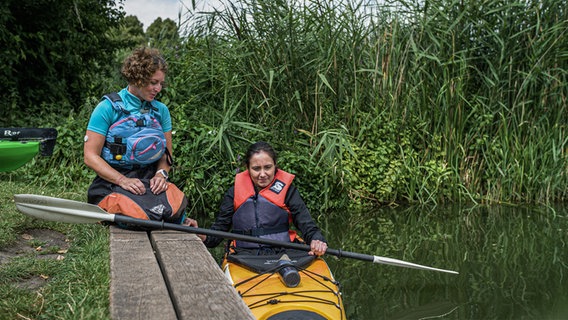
(420, 102)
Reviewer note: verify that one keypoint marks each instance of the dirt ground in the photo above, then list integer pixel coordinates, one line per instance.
(39, 243)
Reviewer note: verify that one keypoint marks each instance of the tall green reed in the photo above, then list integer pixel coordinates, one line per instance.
(414, 102)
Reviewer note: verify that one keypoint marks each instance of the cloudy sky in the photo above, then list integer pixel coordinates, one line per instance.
(149, 10)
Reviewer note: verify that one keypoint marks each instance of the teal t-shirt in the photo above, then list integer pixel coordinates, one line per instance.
(105, 115)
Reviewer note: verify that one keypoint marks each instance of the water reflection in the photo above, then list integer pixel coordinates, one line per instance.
(513, 262)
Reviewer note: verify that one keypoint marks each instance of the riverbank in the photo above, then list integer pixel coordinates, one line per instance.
(50, 270)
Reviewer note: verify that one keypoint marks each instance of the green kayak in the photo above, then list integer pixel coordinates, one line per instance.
(14, 154)
(20, 145)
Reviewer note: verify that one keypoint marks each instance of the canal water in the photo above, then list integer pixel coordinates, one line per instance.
(512, 262)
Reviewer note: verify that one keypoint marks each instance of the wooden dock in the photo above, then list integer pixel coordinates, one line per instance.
(168, 275)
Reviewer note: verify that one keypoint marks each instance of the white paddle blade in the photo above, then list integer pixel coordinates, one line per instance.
(400, 263)
(60, 210)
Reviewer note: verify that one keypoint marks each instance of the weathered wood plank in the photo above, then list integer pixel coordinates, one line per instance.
(199, 288)
(137, 288)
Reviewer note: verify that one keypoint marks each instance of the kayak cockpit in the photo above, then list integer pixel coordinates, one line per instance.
(293, 285)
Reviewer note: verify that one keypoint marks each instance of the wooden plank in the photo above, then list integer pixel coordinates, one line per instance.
(137, 287)
(198, 286)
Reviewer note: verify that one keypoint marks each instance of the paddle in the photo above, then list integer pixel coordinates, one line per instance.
(63, 210)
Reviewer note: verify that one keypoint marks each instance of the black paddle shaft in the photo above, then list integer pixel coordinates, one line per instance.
(62, 210)
(160, 225)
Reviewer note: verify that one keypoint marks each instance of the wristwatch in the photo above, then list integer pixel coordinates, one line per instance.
(163, 172)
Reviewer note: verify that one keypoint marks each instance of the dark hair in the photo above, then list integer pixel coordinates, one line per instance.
(257, 147)
(138, 67)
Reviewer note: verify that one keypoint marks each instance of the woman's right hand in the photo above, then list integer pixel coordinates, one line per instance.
(134, 185)
(317, 247)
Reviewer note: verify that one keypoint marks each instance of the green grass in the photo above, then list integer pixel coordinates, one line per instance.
(76, 287)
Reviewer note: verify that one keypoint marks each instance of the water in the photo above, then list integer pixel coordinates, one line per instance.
(513, 262)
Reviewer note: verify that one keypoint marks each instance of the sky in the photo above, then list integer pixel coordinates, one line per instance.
(149, 10)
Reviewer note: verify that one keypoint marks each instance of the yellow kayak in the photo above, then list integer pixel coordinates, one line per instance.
(293, 285)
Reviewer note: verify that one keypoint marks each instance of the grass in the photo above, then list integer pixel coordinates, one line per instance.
(33, 286)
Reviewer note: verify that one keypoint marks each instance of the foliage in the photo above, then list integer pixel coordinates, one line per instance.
(414, 102)
(53, 52)
(369, 104)
(129, 32)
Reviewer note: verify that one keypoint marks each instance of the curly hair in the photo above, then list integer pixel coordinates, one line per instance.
(141, 65)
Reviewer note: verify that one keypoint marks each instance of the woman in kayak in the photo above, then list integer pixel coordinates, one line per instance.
(262, 203)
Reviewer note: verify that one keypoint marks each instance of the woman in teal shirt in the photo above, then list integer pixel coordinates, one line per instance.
(145, 71)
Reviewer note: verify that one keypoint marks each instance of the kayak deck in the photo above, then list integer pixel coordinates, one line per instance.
(317, 296)
(20, 145)
(14, 154)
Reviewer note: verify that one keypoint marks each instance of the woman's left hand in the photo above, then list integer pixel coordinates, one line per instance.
(317, 247)
(193, 223)
(190, 222)
(158, 184)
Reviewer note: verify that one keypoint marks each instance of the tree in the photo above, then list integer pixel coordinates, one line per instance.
(162, 32)
(129, 32)
(52, 52)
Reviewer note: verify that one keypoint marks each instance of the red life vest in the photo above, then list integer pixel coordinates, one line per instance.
(264, 215)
